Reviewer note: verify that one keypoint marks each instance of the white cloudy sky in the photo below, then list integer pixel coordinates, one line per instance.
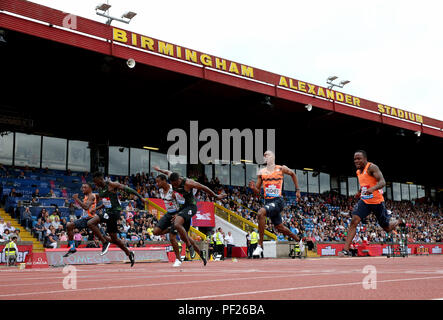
(392, 51)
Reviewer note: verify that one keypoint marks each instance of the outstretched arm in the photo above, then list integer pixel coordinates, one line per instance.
(166, 172)
(291, 173)
(116, 185)
(194, 184)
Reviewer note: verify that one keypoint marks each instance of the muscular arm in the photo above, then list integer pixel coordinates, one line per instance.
(88, 204)
(166, 172)
(256, 186)
(116, 185)
(374, 171)
(194, 184)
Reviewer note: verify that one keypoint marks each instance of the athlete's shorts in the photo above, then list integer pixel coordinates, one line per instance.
(82, 223)
(273, 208)
(187, 213)
(110, 218)
(362, 209)
(165, 221)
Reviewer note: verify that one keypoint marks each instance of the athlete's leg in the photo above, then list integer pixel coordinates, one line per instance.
(93, 225)
(174, 244)
(352, 231)
(178, 224)
(261, 225)
(281, 228)
(114, 239)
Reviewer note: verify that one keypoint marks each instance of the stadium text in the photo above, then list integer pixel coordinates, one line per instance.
(399, 113)
(210, 152)
(172, 50)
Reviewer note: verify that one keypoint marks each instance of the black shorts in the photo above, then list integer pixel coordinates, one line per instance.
(110, 218)
(82, 223)
(187, 213)
(165, 221)
(273, 209)
(362, 209)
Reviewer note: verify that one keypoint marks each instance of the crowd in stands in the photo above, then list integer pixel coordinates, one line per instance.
(316, 218)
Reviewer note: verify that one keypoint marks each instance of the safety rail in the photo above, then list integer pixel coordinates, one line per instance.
(239, 221)
(191, 229)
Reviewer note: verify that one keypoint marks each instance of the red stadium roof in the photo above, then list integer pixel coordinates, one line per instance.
(55, 25)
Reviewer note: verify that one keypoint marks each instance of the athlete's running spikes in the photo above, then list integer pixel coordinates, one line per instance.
(344, 253)
(257, 251)
(131, 258)
(105, 248)
(191, 252)
(71, 251)
(177, 263)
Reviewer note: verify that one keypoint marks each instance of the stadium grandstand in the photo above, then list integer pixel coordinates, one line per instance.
(70, 105)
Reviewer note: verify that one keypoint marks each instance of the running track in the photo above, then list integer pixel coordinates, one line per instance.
(414, 277)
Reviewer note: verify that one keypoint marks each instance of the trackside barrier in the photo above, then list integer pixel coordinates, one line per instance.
(239, 221)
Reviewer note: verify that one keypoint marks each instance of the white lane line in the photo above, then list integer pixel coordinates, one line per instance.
(301, 288)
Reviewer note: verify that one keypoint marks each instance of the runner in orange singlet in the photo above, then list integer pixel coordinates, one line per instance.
(371, 182)
(272, 179)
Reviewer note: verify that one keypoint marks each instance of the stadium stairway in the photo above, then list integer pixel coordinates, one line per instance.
(25, 235)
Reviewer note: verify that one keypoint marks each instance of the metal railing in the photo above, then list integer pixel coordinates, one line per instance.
(239, 221)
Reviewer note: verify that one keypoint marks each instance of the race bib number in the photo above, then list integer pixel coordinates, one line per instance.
(272, 191)
(366, 196)
(107, 203)
(170, 206)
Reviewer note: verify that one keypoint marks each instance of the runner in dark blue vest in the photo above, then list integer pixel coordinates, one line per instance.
(182, 220)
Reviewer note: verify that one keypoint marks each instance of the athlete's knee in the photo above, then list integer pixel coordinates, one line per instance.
(90, 223)
(262, 212)
(156, 231)
(355, 221)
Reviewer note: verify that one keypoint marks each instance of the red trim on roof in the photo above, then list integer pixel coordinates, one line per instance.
(97, 29)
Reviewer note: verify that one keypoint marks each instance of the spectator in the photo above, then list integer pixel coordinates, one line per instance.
(56, 222)
(229, 244)
(39, 229)
(36, 194)
(9, 227)
(27, 218)
(63, 236)
(5, 235)
(77, 238)
(51, 239)
(16, 234)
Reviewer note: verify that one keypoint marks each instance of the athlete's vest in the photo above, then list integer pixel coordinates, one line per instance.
(187, 195)
(110, 199)
(366, 181)
(88, 212)
(170, 203)
(273, 183)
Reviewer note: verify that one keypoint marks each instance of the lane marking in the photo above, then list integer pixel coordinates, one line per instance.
(301, 288)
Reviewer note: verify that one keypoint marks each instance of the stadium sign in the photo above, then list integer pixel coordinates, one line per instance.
(192, 56)
(209, 61)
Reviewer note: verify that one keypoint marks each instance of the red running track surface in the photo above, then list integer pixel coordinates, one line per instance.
(414, 277)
